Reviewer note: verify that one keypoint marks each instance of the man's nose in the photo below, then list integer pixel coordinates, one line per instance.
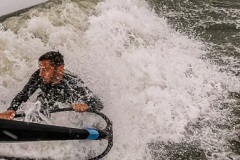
(41, 73)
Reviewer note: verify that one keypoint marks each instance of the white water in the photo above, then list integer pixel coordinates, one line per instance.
(150, 77)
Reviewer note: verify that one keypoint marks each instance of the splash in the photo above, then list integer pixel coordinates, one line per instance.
(153, 81)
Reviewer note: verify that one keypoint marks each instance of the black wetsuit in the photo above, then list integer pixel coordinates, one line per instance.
(69, 90)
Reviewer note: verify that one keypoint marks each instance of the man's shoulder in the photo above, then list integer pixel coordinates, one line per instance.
(35, 74)
(34, 79)
(72, 77)
(70, 74)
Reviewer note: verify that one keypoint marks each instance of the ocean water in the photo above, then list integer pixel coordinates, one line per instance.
(166, 71)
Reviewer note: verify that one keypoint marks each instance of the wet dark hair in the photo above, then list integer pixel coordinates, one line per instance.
(55, 58)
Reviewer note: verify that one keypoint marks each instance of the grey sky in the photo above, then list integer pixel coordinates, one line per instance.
(9, 6)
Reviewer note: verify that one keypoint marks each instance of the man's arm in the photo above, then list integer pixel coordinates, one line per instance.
(23, 96)
(82, 93)
(26, 92)
(85, 95)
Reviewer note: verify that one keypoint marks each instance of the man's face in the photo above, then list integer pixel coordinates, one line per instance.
(47, 71)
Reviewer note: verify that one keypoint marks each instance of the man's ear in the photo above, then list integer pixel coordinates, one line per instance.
(60, 69)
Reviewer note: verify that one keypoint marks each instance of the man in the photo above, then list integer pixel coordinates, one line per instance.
(56, 85)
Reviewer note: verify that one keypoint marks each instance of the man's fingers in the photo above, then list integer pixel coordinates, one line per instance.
(80, 107)
(12, 116)
(4, 117)
(8, 115)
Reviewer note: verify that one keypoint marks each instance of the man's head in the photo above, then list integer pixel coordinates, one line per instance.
(51, 66)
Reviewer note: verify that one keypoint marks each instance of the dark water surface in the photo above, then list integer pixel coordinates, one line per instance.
(217, 22)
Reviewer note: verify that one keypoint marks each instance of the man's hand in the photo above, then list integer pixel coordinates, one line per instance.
(80, 107)
(9, 114)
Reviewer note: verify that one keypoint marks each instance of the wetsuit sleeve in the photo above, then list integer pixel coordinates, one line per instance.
(26, 92)
(84, 94)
